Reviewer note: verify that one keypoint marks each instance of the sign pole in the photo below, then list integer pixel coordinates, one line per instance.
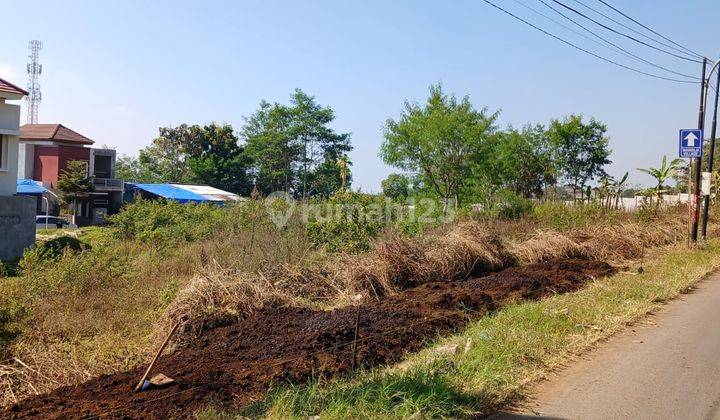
(698, 168)
(689, 201)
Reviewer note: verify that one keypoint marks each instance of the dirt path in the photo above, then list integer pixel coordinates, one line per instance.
(666, 367)
(236, 364)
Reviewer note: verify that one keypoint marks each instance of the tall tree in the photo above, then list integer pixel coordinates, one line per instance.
(165, 159)
(320, 143)
(580, 149)
(272, 147)
(442, 140)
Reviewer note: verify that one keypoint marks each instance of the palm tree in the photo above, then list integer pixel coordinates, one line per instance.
(661, 175)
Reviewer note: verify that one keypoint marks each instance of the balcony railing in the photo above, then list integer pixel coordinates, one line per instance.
(108, 184)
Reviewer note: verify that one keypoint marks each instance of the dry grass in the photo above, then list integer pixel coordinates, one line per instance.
(102, 313)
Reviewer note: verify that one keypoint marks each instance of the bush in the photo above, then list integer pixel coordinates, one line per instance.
(52, 250)
(347, 222)
(506, 204)
(168, 222)
(561, 215)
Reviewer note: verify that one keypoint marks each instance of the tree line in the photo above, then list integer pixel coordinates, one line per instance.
(288, 147)
(452, 150)
(445, 147)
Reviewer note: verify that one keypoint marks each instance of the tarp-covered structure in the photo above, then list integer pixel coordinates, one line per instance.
(179, 192)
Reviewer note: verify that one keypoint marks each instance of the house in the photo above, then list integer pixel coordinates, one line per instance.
(44, 153)
(17, 213)
(179, 192)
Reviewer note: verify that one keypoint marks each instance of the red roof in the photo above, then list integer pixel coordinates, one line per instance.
(52, 132)
(6, 86)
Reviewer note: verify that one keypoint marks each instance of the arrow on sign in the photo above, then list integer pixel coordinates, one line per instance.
(690, 138)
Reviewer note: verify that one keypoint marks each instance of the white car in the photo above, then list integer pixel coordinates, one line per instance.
(53, 222)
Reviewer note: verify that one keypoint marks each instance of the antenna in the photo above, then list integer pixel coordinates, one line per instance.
(34, 70)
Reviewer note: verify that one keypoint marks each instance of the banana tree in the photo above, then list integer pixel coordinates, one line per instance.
(661, 175)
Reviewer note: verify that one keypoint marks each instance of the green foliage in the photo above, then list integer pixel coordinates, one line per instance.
(294, 149)
(580, 149)
(661, 175)
(168, 222)
(559, 215)
(347, 222)
(74, 182)
(52, 250)
(443, 141)
(506, 204)
(396, 187)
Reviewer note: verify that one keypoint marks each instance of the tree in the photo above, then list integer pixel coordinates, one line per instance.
(442, 140)
(320, 143)
(74, 183)
(271, 146)
(130, 169)
(523, 161)
(293, 147)
(165, 159)
(580, 150)
(661, 175)
(396, 187)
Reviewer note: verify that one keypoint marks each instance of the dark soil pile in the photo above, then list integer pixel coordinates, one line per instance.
(235, 365)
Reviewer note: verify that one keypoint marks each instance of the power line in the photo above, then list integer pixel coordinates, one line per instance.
(606, 41)
(649, 29)
(623, 34)
(681, 50)
(583, 49)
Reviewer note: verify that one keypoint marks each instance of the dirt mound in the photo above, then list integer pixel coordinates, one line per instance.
(236, 364)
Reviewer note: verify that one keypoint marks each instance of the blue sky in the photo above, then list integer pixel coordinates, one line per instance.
(117, 70)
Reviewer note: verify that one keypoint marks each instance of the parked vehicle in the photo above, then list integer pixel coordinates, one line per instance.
(53, 222)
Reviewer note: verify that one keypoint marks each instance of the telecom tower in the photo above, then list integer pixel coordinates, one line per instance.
(34, 70)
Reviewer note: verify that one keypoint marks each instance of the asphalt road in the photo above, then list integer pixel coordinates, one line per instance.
(666, 367)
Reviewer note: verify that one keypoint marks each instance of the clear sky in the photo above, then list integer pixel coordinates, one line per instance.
(117, 70)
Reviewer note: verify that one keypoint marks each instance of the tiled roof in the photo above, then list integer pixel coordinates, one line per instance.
(52, 132)
(6, 86)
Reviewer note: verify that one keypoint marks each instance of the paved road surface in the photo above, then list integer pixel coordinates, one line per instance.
(666, 367)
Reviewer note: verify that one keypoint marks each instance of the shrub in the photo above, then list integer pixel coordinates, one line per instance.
(506, 204)
(168, 222)
(347, 222)
(51, 250)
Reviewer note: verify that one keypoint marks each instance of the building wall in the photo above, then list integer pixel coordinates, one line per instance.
(8, 175)
(50, 161)
(26, 158)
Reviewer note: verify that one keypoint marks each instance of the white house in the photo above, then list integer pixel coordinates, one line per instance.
(9, 136)
(17, 214)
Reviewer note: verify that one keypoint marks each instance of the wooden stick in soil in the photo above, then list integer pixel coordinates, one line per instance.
(157, 355)
(354, 349)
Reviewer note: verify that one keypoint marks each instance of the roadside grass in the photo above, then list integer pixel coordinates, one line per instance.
(518, 345)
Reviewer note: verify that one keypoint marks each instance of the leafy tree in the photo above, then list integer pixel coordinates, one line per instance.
(523, 161)
(130, 169)
(661, 175)
(165, 159)
(74, 183)
(580, 149)
(320, 143)
(271, 146)
(396, 186)
(443, 141)
(293, 147)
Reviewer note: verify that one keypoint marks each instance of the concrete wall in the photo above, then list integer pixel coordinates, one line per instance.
(17, 226)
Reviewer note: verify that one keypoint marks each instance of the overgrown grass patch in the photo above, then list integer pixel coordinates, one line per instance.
(517, 345)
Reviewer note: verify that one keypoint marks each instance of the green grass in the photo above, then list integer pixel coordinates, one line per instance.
(517, 345)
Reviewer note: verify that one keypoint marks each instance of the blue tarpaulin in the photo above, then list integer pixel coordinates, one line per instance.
(30, 187)
(170, 192)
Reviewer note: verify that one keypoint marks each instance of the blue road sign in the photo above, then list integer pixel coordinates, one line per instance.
(691, 140)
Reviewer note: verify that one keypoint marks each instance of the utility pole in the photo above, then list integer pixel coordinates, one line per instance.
(698, 169)
(711, 156)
